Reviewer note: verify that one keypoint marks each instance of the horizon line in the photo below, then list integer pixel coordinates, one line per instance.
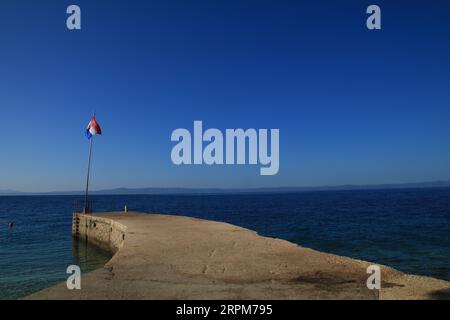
(147, 190)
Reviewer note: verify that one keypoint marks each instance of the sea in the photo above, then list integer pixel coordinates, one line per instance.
(408, 229)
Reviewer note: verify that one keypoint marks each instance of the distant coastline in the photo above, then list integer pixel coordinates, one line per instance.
(190, 191)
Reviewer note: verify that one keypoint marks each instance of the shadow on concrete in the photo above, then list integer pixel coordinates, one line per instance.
(443, 294)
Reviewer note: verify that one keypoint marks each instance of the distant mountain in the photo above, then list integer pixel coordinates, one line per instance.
(6, 192)
(435, 184)
(129, 191)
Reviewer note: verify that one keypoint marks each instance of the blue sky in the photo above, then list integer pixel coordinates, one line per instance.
(353, 106)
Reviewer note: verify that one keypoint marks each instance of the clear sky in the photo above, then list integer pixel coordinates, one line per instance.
(353, 106)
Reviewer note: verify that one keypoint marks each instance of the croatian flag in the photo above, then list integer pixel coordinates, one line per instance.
(93, 128)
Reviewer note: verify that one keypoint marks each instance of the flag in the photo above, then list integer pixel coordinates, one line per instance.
(93, 128)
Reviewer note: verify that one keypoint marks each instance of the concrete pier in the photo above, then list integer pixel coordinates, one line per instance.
(175, 257)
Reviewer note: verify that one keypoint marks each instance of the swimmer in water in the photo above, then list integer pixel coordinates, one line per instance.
(10, 225)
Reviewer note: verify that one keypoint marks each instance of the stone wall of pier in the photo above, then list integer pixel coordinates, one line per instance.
(102, 232)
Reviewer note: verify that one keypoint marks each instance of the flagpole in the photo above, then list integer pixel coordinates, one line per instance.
(86, 204)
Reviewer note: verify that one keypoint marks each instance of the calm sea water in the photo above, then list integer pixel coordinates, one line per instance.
(406, 229)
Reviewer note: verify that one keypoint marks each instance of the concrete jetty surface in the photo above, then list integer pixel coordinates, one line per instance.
(175, 257)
